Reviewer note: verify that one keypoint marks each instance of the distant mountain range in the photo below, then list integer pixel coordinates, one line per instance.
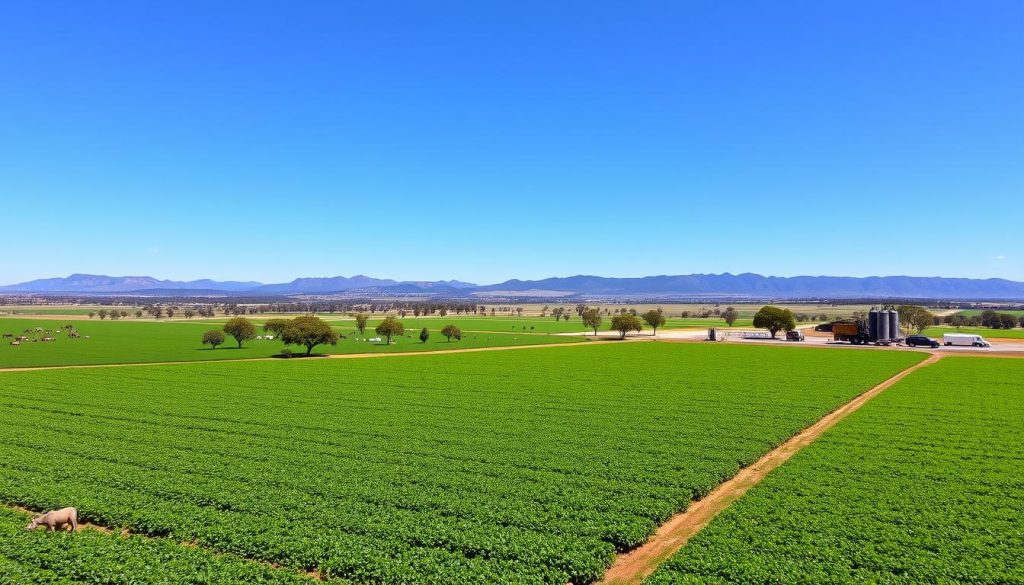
(661, 287)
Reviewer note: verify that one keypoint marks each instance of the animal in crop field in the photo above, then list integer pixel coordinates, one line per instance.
(56, 519)
(6, 335)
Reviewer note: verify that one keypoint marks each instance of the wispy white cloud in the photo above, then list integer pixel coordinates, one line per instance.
(1000, 257)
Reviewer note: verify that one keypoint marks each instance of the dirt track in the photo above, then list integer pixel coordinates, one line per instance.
(633, 566)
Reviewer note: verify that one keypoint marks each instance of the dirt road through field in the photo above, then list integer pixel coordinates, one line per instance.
(633, 566)
(298, 358)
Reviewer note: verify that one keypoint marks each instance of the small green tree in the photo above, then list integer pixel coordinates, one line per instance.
(389, 328)
(213, 338)
(102, 314)
(592, 319)
(276, 326)
(424, 335)
(308, 331)
(655, 318)
(241, 329)
(361, 323)
(774, 319)
(1007, 320)
(626, 322)
(729, 315)
(450, 331)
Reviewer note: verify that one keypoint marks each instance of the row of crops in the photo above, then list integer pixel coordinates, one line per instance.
(925, 484)
(516, 467)
(90, 556)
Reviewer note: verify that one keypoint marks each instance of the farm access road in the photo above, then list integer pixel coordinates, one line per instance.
(1000, 347)
(634, 566)
(336, 356)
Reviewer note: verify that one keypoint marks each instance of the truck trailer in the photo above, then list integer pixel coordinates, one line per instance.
(964, 339)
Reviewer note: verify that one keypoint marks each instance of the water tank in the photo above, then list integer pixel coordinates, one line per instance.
(894, 324)
(883, 325)
(873, 324)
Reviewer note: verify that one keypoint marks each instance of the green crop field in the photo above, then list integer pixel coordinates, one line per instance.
(166, 341)
(1016, 333)
(513, 467)
(90, 556)
(924, 484)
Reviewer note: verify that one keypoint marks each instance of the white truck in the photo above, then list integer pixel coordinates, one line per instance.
(964, 339)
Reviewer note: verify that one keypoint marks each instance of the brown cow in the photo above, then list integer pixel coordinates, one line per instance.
(56, 519)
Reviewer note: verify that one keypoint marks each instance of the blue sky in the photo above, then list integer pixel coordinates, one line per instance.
(490, 140)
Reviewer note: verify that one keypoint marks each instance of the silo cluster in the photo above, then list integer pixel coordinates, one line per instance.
(883, 325)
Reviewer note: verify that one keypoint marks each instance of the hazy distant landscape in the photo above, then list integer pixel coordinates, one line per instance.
(666, 287)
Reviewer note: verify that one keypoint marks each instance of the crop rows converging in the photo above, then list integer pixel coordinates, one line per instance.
(532, 466)
(924, 484)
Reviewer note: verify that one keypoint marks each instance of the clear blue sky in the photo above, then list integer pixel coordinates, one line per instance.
(490, 140)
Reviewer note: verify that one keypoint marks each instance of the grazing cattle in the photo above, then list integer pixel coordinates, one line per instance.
(15, 343)
(270, 337)
(6, 335)
(56, 519)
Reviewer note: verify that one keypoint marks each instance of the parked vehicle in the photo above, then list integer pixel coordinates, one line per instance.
(921, 340)
(853, 330)
(965, 339)
(795, 335)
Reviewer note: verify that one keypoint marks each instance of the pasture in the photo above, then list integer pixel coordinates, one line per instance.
(530, 325)
(532, 466)
(978, 312)
(922, 485)
(117, 342)
(1015, 333)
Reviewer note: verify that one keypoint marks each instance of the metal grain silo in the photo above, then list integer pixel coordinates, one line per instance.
(894, 324)
(883, 325)
(873, 324)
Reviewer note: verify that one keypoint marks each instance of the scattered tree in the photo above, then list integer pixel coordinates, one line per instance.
(424, 335)
(592, 318)
(730, 315)
(655, 318)
(276, 326)
(915, 318)
(213, 338)
(309, 331)
(626, 322)
(241, 329)
(361, 323)
(389, 328)
(1007, 321)
(103, 314)
(774, 319)
(450, 331)
(189, 313)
